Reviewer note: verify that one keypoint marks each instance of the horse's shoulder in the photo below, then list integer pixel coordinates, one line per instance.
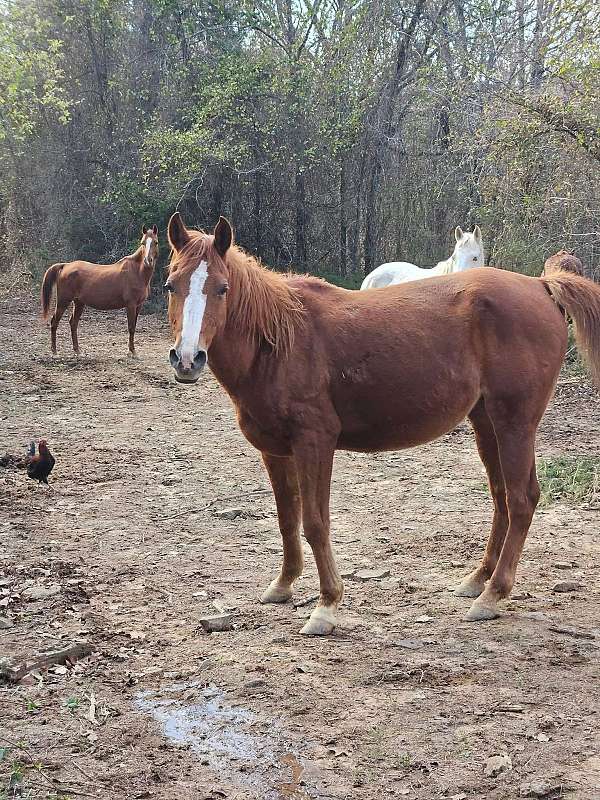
(126, 264)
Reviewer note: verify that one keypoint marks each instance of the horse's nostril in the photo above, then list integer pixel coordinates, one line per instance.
(200, 359)
(174, 359)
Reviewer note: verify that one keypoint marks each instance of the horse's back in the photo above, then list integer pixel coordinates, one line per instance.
(100, 286)
(468, 312)
(376, 279)
(391, 274)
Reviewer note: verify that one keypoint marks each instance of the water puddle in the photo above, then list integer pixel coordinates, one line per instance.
(229, 739)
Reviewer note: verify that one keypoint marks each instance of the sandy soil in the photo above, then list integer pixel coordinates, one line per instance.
(131, 542)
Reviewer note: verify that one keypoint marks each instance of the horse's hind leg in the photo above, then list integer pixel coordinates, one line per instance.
(485, 436)
(517, 457)
(284, 480)
(74, 322)
(61, 307)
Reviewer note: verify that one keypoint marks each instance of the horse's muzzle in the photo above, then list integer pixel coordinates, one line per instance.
(187, 374)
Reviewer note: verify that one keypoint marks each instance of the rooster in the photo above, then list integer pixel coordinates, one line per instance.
(40, 466)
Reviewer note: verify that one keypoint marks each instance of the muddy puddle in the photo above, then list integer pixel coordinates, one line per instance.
(230, 740)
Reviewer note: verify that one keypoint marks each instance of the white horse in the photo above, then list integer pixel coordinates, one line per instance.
(468, 253)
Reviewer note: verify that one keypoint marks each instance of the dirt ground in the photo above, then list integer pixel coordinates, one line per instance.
(159, 513)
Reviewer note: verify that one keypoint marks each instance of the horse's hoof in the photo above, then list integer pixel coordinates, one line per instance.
(322, 622)
(470, 587)
(276, 593)
(479, 612)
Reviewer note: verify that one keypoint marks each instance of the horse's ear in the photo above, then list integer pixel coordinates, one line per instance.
(144, 229)
(477, 234)
(155, 230)
(458, 233)
(177, 232)
(223, 236)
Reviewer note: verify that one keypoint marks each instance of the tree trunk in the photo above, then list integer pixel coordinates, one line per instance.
(217, 199)
(343, 261)
(371, 206)
(258, 230)
(300, 205)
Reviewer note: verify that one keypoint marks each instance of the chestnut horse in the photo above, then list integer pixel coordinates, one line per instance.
(102, 286)
(312, 368)
(563, 260)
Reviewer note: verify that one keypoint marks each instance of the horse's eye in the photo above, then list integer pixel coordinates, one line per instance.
(222, 290)
(169, 288)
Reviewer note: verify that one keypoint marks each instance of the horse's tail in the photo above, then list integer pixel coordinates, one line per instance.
(50, 279)
(580, 298)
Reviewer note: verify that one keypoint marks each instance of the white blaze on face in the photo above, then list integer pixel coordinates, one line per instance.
(193, 313)
(148, 246)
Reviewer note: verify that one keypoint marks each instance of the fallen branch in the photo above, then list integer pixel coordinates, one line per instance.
(568, 631)
(69, 654)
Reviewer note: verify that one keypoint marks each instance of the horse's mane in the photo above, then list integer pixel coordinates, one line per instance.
(259, 300)
(262, 301)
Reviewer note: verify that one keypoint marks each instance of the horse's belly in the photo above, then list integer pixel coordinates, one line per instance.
(400, 435)
(394, 420)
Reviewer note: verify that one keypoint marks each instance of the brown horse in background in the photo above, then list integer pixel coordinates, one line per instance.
(312, 368)
(563, 261)
(102, 286)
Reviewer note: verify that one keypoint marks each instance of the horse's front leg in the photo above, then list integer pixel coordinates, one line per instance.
(314, 462)
(284, 480)
(132, 315)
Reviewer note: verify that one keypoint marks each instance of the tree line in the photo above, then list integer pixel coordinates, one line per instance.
(334, 134)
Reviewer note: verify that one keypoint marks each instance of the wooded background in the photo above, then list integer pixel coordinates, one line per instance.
(336, 135)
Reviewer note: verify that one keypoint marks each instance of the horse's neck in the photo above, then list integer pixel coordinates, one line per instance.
(262, 313)
(145, 268)
(230, 357)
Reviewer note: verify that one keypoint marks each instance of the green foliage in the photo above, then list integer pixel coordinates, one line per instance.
(352, 281)
(72, 704)
(31, 707)
(334, 135)
(569, 479)
(31, 75)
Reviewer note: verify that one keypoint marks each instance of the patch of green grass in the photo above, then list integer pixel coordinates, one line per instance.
(569, 479)
(31, 706)
(72, 703)
(15, 780)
